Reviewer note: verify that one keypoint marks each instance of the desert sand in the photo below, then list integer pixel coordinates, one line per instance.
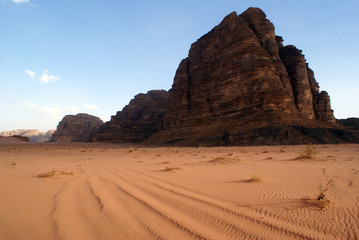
(87, 191)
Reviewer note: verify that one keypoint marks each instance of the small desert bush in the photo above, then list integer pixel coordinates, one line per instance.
(309, 152)
(322, 197)
(256, 178)
(54, 173)
(224, 160)
(169, 169)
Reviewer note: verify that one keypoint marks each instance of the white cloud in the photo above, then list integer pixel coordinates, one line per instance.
(72, 109)
(30, 104)
(20, 1)
(54, 111)
(90, 106)
(47, 77)
(44, 78)
(30, 73)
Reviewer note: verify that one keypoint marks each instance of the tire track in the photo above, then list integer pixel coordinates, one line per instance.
(244, 226)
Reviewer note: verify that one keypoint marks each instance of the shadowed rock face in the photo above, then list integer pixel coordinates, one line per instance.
(351, 123)
(76, 128)
(240, 85)
(137, 121)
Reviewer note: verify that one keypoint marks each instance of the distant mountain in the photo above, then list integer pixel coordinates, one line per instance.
(34, 135)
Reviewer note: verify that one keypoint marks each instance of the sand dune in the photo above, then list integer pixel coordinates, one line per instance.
(110, 192)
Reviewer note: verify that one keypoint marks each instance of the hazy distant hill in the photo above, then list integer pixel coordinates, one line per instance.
(34, 135)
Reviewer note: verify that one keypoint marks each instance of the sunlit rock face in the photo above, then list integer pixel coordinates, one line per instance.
(241, 85)
(76, 128)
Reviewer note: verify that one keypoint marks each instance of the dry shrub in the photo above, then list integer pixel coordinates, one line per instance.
(255, 178)
(170, 169)
(322, 197)
(55, 173)
(309, 152)
(224, 160)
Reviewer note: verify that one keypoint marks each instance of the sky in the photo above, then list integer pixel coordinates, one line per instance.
(60, 57)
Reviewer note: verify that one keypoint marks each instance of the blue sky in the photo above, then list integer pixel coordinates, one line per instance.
(70, 56)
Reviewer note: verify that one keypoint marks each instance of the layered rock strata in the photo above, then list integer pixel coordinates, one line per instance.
(137, 121)
(240, 85)
(76, 128)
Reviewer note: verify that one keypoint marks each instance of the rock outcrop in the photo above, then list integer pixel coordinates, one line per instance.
(240, 86)
(350, 123)
(137, 121)
(76, 128)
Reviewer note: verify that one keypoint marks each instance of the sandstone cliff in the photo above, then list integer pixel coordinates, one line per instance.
(76, 128)
(137, 121)
(240, 85)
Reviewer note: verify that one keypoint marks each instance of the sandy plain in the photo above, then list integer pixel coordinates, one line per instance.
(88, 191)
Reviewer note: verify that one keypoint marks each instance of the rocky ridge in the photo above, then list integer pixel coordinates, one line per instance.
(137, 121)
(33, 135)
(76, 128)
(239, 85)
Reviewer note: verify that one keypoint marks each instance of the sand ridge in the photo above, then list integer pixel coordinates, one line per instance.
(118, 192)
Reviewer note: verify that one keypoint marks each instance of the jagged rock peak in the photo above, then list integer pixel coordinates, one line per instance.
(239, 77)
(76, 128)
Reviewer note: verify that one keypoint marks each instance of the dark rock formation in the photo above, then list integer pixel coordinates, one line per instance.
(137, 121)
(240, 86)
(22, 138)
(310, 103)
(350, 123)
(76, 128)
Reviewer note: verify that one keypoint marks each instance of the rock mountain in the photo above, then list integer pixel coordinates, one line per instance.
(239, 85)
(76, 128)
(137, 121)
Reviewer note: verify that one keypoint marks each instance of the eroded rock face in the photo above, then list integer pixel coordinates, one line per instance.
(310, 103)
(137, 121)
(230, 73)
(241, 85)
(76, 128)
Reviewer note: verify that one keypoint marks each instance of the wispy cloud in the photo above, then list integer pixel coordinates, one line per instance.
(72, 109)
(30, 73)
(30, 104)
(90, 106)
(20, 1)
(54, 111)
(47, 77)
